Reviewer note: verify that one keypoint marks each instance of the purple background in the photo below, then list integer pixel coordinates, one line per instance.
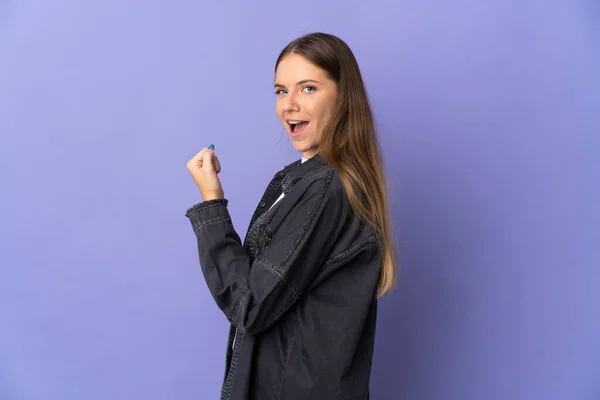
(489, 117)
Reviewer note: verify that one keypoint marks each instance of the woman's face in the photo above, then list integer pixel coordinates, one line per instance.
(306, 97)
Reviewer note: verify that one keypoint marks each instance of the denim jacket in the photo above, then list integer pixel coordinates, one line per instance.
(299, 292)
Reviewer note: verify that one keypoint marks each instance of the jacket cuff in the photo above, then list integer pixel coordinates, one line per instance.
(208, 212)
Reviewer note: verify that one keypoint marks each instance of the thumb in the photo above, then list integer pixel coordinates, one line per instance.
(207, 160)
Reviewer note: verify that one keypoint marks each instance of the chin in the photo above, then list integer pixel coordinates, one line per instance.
(301, 148)
(302, 145)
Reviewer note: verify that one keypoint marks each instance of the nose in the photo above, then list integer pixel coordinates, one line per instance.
(290, 103)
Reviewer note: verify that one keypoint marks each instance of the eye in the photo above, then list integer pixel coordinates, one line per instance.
(279, 91)
(309, 89)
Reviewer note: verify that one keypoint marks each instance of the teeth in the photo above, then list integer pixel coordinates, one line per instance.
(295, 122)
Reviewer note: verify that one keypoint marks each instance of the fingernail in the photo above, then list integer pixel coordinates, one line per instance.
(211, 147)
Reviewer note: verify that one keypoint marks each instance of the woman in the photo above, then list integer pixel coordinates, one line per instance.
(301, 292)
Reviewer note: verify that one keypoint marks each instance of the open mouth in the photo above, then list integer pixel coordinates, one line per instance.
(297, 126)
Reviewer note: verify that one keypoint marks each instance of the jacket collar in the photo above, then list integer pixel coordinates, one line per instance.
(297, 170)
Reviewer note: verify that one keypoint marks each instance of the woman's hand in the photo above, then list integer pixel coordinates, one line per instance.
(204, 168)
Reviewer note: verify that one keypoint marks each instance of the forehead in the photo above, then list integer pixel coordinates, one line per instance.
(294, 68)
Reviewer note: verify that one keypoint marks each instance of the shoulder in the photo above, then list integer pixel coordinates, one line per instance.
(323, 193)
(331, 210)
(324, 182)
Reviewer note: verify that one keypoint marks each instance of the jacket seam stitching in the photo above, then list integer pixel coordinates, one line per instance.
(228, 384)
(234, 313)
(211, 222)
(272, 270)
(205, 206)
(351, 250)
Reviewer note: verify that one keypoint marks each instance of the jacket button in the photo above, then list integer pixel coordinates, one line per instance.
(263, 204)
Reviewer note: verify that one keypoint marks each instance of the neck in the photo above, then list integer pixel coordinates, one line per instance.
(307, 155)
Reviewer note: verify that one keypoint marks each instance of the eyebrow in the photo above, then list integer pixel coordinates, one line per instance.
(298, 83)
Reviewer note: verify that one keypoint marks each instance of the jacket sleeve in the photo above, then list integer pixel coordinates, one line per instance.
(254, 294)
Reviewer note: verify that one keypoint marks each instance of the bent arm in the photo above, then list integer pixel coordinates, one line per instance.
(254, 294)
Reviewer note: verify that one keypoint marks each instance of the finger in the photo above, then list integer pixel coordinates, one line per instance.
(217, 164)
(200, 154)
(207, 160)
(196, 161)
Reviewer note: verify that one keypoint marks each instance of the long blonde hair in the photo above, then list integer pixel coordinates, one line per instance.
(349, 143)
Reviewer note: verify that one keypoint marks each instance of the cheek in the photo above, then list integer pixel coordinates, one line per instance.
(314, 109)
(321, 109)
(322, 113)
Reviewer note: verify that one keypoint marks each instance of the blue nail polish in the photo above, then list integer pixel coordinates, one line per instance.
(211, 147)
